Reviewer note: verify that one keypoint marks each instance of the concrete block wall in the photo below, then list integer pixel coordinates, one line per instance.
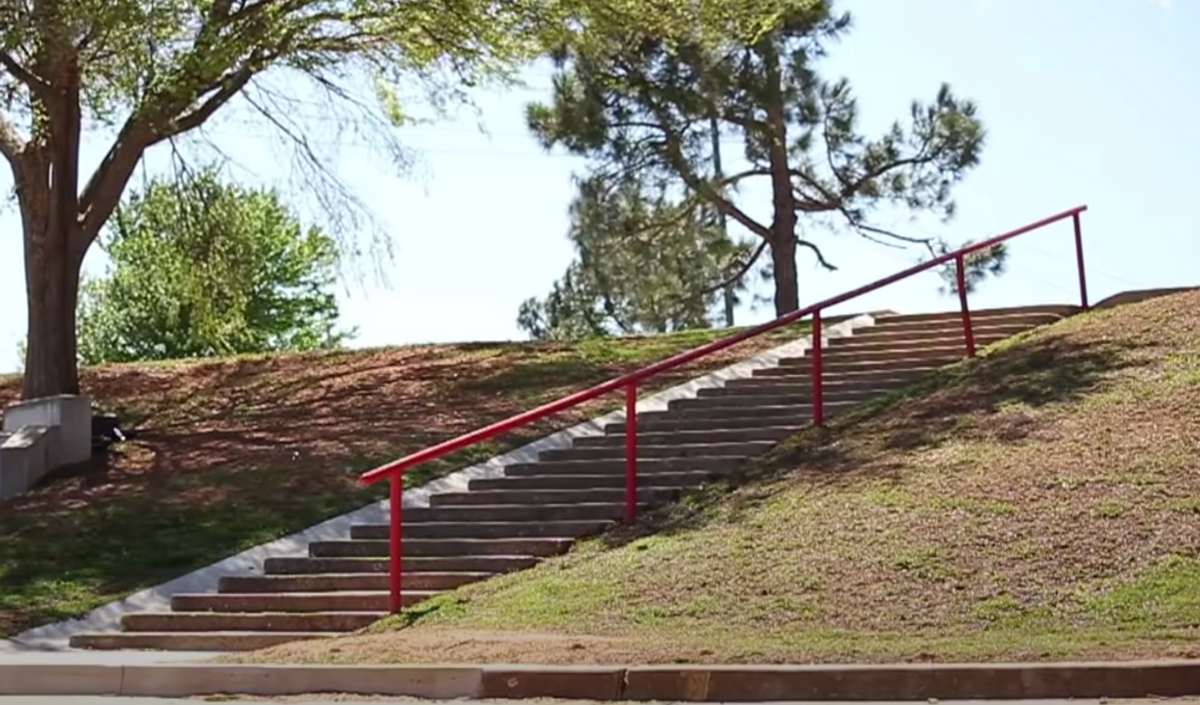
(40, 436)
(25, 458)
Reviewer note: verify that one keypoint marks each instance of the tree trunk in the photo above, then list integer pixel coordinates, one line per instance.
(783, 200)
(47, 183)
(52, 287)
(787, 284)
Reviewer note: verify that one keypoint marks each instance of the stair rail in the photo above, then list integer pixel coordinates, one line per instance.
(394, 471)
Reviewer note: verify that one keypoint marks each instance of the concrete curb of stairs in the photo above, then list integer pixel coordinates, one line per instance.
(249, 562)
(1030, 681)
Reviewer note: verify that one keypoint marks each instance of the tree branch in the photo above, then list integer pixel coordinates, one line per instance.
(679, 163)
(817, 251)
(868, 230)
(24, 75)
(11, 143)
(230, 86)
(741, 272)
(104, 188)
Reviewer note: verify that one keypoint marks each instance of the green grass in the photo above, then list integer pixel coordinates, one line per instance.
(1038, 502)
(233, 453)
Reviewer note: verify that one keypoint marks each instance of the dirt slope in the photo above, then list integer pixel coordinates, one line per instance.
(1040, 502)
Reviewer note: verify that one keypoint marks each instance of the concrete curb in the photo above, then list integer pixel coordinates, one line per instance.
(1032, 681)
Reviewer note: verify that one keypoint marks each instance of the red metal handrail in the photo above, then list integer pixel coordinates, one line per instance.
(394, 470)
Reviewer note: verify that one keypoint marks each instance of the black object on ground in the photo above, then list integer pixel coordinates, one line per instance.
(106, 430)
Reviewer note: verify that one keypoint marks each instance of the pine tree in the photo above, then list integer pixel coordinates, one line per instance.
(646, 107)
(643, 265)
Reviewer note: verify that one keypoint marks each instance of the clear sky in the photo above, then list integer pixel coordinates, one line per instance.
(1086, 101)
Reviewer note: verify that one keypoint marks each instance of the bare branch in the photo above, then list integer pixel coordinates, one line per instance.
(894, 235)
(817, 251)
(741, 272)
(735, 178)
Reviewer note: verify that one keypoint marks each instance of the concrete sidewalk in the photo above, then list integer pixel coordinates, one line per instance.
(141, 675)
(15, 654)
(319, 700)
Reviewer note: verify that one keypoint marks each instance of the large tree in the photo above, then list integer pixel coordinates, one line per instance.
(140, 73)
(643, 264)
(200, 267)
(639, 107)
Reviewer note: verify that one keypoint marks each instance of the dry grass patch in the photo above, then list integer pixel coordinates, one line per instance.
(232, 453)
(1039, 502)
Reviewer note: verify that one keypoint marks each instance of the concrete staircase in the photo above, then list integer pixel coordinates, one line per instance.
(538, 510)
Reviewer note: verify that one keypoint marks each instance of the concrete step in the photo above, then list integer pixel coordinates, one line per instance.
(875, 344)
(892, 356)
(248, 621)
(559, 514)
(684, 422)
(646, 495)
(799, 371)
(906, 360)
(361, 548)
(784, 397)
(615, 438)
(190, 641)
(744, 408)
(337, 582)
(649, 451)
(898, 334)
(605, 467)
(486, 529)
(895, 379)
(309, 565)
(992, 316)
(831, 384)
(586, 481)
(305, 602)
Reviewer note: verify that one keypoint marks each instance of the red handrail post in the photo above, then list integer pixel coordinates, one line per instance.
(395, 545)
(818, 410)
(631, 451)
(1079, 261)
(960, 276)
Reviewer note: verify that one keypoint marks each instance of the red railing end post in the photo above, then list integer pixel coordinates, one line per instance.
(631, 452)
(960, 278)
(1083, 295)
(395, 541)
(818, 403)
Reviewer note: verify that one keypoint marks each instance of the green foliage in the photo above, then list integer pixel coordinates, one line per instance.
(202, 268)
(977, 266)
(644, 265)
(149, 72)
(642, 108)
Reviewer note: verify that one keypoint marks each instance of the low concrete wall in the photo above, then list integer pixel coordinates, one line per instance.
(25, 458)
(70, 414)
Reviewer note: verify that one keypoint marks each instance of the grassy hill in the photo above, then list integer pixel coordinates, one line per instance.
(232, 453)
(1039, 502)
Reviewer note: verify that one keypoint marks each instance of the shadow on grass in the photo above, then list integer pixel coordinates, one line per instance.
(1031, 371)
